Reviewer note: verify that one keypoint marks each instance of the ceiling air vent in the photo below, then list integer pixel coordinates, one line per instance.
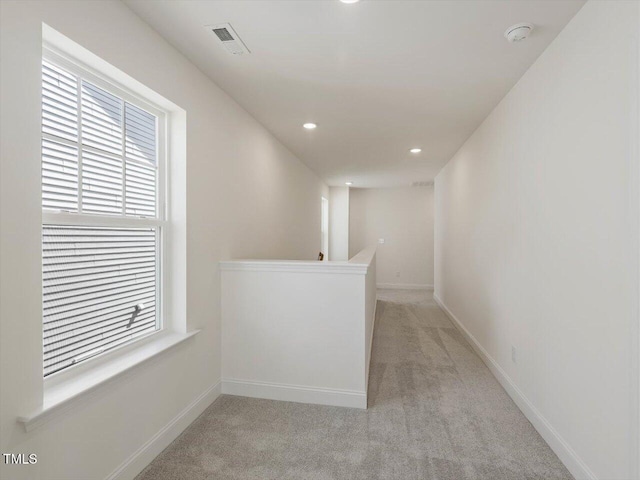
(422, 184)
(229, 38)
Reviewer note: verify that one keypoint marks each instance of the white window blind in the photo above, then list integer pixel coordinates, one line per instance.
(101, 235)
(99, 290)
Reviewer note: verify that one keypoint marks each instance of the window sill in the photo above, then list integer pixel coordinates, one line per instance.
(63, 395)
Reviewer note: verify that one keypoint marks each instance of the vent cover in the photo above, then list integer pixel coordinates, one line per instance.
(229, 38)
(223, 34)
(422, 184)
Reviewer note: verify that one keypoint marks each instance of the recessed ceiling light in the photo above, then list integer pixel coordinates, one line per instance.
(415, 150)
(309, 126)
(348, 184)
(349, 1)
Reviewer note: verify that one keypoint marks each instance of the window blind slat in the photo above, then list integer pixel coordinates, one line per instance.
(59, 363)
(87, 303)
(63, 270)
(50, 328)
(88, 327)
(84, 337)
(64, 100)
(101, 282)
(136, 176)
(93, 278)
(97, 253)
(77, 294)
(111, 276)
(91, 318)
(53, 116)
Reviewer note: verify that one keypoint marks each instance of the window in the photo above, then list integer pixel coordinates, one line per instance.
(103, 215)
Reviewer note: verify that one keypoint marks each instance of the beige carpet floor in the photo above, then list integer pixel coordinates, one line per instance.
(435, 412)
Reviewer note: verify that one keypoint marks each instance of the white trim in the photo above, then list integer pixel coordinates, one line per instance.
(93, 220)
(373, 327)
(324, 226)
(167, 434)
(559, 445)
(405, 286)
(69, 62)
(65, 395)
(635, 189)
(294, 393)
(301, 266)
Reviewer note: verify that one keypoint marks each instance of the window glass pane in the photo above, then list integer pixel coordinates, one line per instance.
(141, 189)
(101, 183)
(59, 102)
(59, 176)
(141, 146)
(140, 128)
(101, 119)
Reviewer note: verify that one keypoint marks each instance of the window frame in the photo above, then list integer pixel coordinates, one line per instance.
(160, 222)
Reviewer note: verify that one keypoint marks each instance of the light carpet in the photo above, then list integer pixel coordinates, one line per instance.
(435, 412)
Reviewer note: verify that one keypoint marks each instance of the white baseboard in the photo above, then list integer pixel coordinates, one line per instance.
(562, 449)
(161, 440)
(405, 286)
(294, 393)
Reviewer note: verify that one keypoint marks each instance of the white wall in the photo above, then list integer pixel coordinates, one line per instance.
(404, 218)
(339, 223)
(248, 196)
(536, 241)
(298, 331)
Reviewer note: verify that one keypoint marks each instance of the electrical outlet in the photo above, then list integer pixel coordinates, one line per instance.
(381, 240)
(513, 354)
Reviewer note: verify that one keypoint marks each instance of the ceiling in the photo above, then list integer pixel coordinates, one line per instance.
(378, 77)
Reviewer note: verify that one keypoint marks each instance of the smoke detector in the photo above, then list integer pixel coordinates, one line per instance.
(229, 38)
(518, 32)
